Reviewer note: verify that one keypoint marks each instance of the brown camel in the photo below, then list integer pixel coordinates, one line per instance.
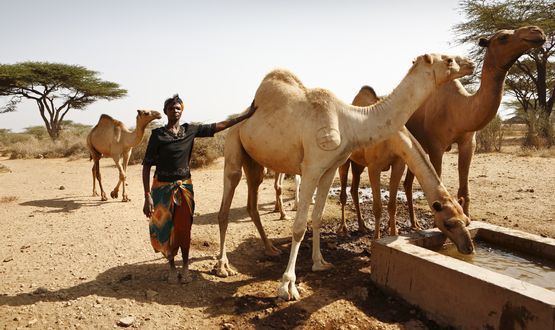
(110, 138)
(452, 115)
(310, 132)
(393, 153)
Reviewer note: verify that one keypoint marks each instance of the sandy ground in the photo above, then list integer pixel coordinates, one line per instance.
(68, 260)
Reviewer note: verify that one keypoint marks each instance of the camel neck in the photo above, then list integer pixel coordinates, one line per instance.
(485, 102)
(138, 133)
(414, 156)
(377, 122)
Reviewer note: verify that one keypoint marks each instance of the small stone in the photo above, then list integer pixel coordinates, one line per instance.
(227, 326)
(126, 321)
(98, 300)
(206, 244)
(17, 318)
(8, 259)
(62, 188)
(40, 290)
(150, 294)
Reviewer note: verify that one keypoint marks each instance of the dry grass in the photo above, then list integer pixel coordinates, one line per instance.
(8, 199)
(35, 143)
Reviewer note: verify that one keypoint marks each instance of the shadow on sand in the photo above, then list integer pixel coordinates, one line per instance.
(252, 301)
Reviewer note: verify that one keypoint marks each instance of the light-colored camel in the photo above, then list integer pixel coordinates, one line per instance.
(452, 115)
(110, 138)
(278, 183)
(393, 153)
(310, 132)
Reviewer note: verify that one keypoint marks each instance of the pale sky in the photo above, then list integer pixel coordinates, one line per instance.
(215, 53)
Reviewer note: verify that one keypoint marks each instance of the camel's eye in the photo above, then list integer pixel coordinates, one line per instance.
(504, 38)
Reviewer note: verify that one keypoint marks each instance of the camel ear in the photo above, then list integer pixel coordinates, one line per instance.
(140, 112)
(437, 206)
(483, 42)
(461, 201)
(428, 58)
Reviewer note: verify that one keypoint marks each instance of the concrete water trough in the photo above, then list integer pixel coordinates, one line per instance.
(464, 295)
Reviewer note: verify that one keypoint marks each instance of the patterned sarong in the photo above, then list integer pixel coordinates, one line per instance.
(166, 197)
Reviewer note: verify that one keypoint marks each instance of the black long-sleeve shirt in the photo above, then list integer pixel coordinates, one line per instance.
(171, 153)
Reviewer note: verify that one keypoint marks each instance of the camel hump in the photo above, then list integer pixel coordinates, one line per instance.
(321, 99)
(106, 120)
(366, 96)
(285, 76)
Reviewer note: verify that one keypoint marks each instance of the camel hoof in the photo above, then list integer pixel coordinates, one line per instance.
(288, 291)
(223, 269)
(363, 229)
(272, 251)
(416, 227)
(173, 278)
(125, 199)
(94, 194)
(114, 194)
(285, 217)
(342, 231)
(185, 277)
(321, 266)
(104, 198)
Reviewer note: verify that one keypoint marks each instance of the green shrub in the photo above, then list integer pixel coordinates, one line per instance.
(490, 137)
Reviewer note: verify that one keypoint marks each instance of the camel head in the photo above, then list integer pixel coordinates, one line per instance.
(504, 47)
(451, 220)
(146, 116)
(466, 65)
(440, 68)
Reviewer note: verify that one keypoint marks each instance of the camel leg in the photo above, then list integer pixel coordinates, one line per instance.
(287, 289)
(374, 176)
(255, 175)
(126, 155)
(278, 181)
(343, 178)
(99, 178)
(94, 193)
(356, 171)
(234, 154)
(324, 185)
(397, 169)
(407, 185)
(115, 192)
(466, 151)
(297, 188)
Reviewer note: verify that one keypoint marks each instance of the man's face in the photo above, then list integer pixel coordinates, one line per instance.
(174, 111)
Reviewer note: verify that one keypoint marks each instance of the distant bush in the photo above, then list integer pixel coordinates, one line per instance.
(490, 137)
(206, 150)
(35, 142)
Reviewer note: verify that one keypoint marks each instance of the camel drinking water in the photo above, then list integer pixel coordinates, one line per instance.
(110, 138)
(310, 132)
(393, 153)
(452, 115)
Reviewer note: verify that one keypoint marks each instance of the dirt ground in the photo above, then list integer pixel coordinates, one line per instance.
(70, 261)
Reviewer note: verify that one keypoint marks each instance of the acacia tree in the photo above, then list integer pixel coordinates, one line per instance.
(56, 88)
(531, 79)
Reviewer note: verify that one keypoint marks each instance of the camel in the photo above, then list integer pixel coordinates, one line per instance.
(110, 138)
(393, 153)
(278, 183)
(453, 115)
(310, 132)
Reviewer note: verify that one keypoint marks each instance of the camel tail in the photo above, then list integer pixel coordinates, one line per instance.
(93, 153)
